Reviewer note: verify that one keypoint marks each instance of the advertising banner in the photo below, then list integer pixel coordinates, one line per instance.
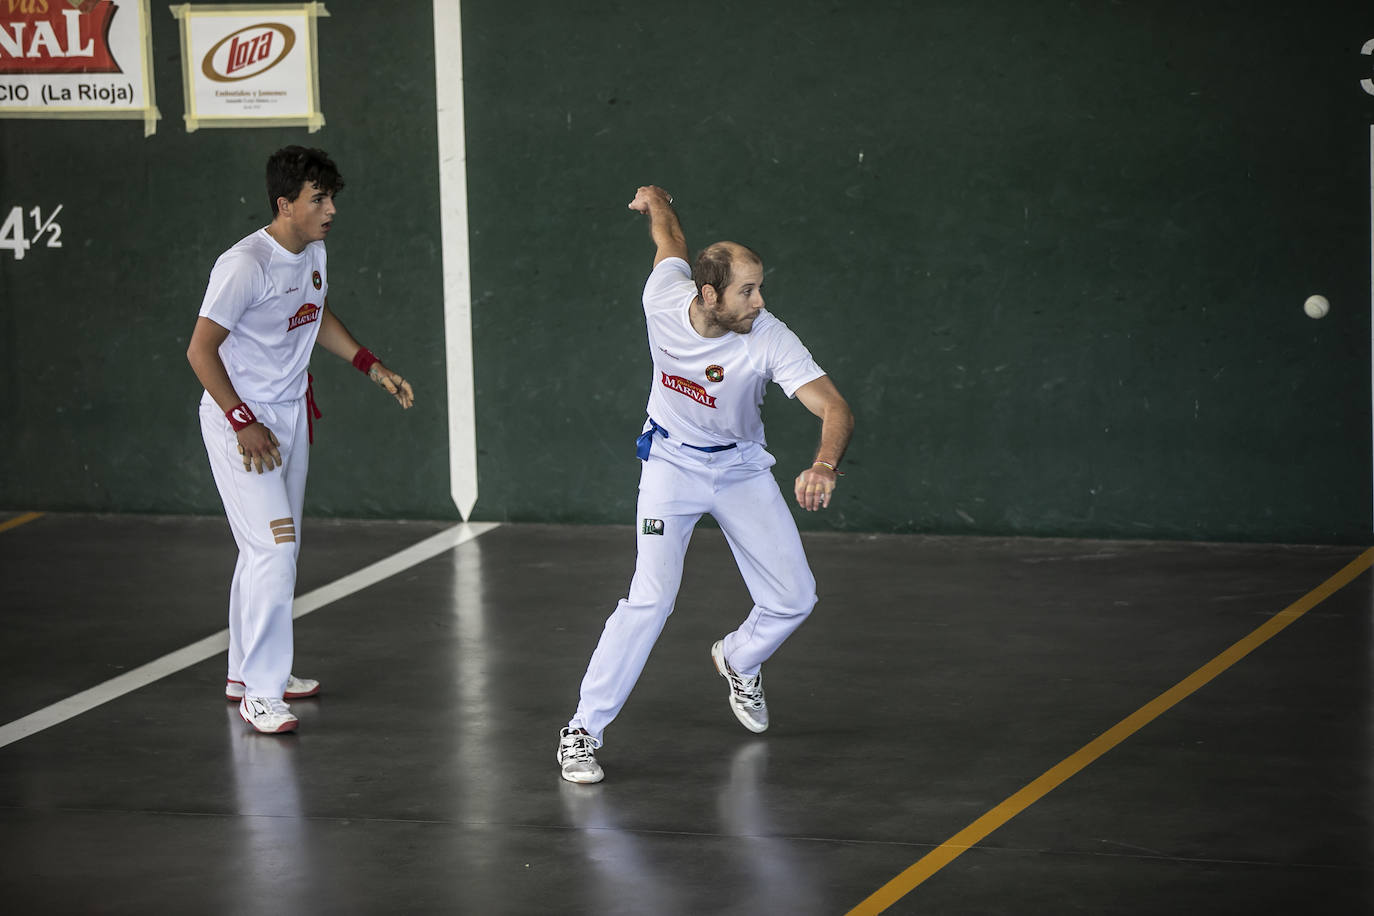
(250, 64)
(76, 59)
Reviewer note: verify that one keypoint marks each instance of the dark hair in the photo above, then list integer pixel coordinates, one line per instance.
(289, 168)
(713, 264)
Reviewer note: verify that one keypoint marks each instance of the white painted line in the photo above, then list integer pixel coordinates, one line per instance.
(198, 652)
(453, 232)
(447, 539)
(127, 682)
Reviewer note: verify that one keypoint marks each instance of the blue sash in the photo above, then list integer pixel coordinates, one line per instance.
(646, 440)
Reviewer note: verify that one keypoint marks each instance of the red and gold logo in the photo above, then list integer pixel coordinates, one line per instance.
(48, 36)
(248, 52)
(715, 373)
(304, 315)
(689, 388)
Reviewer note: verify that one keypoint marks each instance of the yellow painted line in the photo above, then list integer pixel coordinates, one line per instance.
(19, 520)
(976, 832)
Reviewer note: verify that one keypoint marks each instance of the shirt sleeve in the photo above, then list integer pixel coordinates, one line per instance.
(668, 284)
(789, 362)
(236, 282)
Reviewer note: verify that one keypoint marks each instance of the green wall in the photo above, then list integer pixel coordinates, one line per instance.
(99, 402)
(1053, 252)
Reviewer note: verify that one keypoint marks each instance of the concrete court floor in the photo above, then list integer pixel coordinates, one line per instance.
(936, 678)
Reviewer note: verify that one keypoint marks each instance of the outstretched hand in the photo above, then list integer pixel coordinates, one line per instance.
(393, 384)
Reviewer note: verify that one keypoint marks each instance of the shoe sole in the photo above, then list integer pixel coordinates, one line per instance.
(582, 782)
(718, 656)
(289, 695)
(284, 727)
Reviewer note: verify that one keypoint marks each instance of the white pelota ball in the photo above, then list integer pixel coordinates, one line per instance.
(1316, 306)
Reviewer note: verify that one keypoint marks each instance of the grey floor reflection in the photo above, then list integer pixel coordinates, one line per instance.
(275, 849)
(622, 878)
(762, 869)
(472, 705)
(772, 881)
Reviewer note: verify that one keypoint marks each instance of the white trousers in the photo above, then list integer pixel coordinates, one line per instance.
(678, 485)
(264, 512)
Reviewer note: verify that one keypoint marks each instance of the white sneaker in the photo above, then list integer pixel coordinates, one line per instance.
(575, 756)
(268, 714)
(296, 688)
(746, 693)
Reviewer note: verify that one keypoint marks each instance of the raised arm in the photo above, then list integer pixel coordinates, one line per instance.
(664, 227)
(815, 484)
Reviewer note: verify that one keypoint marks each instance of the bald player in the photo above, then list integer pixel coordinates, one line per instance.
(714, 349)
(265, 308)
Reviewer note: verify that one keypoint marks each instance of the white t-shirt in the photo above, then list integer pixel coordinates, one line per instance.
(270, 301)
(709, 390)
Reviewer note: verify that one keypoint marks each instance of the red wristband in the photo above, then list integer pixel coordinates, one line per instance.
(240, 416)
(364, 359)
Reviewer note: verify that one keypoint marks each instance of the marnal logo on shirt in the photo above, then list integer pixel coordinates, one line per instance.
(689, 388)
(251, 50)
(307, 313)
(48, 36)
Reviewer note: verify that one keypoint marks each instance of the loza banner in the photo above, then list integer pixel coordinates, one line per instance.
(76, 59)
(250, 65)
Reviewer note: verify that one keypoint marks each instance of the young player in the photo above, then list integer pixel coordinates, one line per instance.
(266, 306)
(714, 349)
